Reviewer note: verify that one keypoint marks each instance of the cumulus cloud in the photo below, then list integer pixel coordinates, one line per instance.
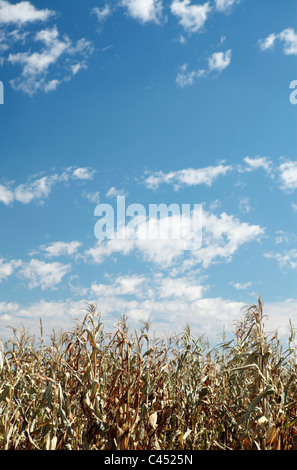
(39, 188)
(268, 42)
(61, 248)
(203, 314)
(83, 173)
(187, 177)
(93, 197)
(215, 239)
(256, 163)
(46, 57)
(6, 195)
(159, 237)
(163, 299)
(180, 287)
(288, 175)
(122, 285)
(206, 315)
(102, 13)
(225, 5)
(157, 286)
(244, 205)
(288, 259)
(186, 77)
(217, 62)
(285, 173)
(144, 10)
(241, 286)
(42, 274)
(288, 38)
(54, 314)
(37, 65)
(223, 236)
(192, 17)
(22, 13)
(7, 268)
(114, 192)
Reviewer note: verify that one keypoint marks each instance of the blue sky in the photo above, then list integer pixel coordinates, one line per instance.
(174, 101)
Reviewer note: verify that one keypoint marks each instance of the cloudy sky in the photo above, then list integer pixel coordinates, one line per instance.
(162, 102)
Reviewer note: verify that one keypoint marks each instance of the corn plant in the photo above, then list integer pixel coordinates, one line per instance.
(88, 389)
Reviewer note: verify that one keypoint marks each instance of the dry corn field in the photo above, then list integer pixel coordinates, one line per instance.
(90, 390)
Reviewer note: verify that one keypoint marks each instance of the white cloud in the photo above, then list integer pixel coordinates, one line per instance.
(285, 260)
(241, 286)
(8, 38)
(113, 192)
(279, 314)
(187, 177)
(75, 68)
(285, 173)
(283, 237)
(258, 162)
(36, 66)
(7, 268)
(158, 240)
(39, 189)
(3, 42)
(244, 205)
(217, 62)
(191, 17)
(186, 78)
(93, 197)
(205, 315)
(44, 275)
(268, 42)
(83, 173)
(144, 10)
(22, 13)
(6, 195)
(225, 5)
(102, 13)
(122, 285)
(222, 237)
(51, 85)
(61, 248)
(156, 286)
(287, 37)
(288, 175)
(53, 314)
(103, 249)
(181, 287)
(170, 303)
